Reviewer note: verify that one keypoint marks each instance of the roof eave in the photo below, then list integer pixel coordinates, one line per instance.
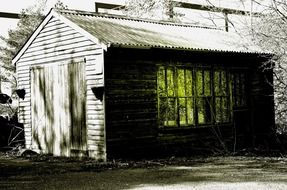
(81, 30)
(53, 13)
(32, 37)
(139, 46)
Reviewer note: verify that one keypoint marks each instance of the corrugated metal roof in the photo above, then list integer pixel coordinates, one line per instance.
(123, 31)
(113, 30)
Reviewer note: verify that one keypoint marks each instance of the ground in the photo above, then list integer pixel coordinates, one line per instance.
(194, 173)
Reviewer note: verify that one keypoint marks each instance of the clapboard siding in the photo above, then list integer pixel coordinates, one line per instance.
(57, 43)
(64, 55)
(64, 32)
(51, 45)
(95, 108)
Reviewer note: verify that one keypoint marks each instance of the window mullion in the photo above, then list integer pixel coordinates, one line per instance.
(185, 95)
(221, 98)
(166, 92)
(228, 96)
(212, 94)
(175, 82)
(194, 71)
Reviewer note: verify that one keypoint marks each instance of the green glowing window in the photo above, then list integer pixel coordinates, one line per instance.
(197, 96)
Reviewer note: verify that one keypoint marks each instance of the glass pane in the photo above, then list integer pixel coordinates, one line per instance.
(190, 116)
(161, 82)
(163, 107)
(235, 91)
(171, 111)
(181, 83)
(204, 110)
(218, 110)
(217, 82)
(238, 100)
(223, 83)
(225, 111)
(182, 111)
(243, 101)
(188, 74)
(199, 83)
(239, 90)
(207, 86)
(242, 79)
(234, 84)
(243, 89)
(170, 82)
(200, 111)
(237, 85)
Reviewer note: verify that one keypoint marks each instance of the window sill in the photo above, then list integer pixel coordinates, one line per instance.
(175, 129)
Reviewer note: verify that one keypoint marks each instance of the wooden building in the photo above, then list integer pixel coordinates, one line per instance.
(103, 86)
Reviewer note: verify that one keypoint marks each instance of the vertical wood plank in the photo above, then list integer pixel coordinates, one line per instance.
(77, 95)
(38, 108)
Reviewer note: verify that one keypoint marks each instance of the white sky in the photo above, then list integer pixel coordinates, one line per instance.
(15, 6)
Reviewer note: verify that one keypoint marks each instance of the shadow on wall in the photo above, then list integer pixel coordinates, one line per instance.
(58, 115)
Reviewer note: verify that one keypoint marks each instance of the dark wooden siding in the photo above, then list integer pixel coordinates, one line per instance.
(131, 104)
(130, 98)
(262, 104)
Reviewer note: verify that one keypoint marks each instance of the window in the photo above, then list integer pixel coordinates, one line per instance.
(238, 89)
(175, 96)
(197, 96)
(203, 98)
(222, 97)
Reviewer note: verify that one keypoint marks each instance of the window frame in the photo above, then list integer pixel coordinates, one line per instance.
(195, 97)
(227, 95)
(243, 89)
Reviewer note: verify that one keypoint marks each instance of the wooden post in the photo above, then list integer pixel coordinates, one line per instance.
(0, 80)
(226, 20)
(170, 9)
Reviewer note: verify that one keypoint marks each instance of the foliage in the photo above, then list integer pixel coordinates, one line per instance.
(156, 9)
(29, 20)
(269, 31)
(60, 5)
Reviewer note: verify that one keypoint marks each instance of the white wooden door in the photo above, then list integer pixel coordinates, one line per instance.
(58, 100)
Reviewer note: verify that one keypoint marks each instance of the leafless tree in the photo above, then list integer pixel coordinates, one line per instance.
(156, 9)
(269, 31)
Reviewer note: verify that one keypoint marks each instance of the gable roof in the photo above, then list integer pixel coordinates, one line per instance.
(120, 31)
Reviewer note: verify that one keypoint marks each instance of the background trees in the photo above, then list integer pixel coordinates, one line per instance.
(269, 31)
(155, 9)
(30, 18)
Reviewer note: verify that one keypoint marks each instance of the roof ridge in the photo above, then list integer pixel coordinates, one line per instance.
(114, 16)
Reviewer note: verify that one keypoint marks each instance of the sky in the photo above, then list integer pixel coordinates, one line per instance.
(15, 6)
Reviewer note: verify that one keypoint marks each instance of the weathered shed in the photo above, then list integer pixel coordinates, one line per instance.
(106, 85)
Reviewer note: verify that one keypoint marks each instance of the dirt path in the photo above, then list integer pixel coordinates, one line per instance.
(195, 174)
